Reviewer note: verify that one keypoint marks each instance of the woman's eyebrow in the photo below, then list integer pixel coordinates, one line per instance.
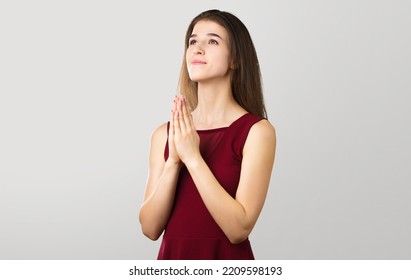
(208, 34)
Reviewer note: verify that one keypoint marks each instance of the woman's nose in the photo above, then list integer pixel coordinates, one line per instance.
(198, 50)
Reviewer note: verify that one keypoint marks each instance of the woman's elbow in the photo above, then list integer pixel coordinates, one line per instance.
(151, 233)
(150, 230)
(238, 236)
(152, 237)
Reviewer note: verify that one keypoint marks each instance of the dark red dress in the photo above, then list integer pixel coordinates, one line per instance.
(191, 232)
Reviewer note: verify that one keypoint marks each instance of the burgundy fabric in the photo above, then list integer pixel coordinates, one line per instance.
(191, 232)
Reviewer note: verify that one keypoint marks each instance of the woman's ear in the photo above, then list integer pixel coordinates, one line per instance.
(233, 66)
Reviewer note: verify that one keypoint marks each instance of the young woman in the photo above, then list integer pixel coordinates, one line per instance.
(210, 167)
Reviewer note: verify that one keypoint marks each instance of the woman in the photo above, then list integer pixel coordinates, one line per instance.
(209, 169)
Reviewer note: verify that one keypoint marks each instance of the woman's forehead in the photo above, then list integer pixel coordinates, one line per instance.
(206, 27)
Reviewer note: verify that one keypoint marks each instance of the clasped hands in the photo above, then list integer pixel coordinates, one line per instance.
(183, 139)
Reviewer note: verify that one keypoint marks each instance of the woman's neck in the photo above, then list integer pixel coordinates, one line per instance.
(216, 106)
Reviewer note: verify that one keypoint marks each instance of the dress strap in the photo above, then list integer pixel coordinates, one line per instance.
(239, 132)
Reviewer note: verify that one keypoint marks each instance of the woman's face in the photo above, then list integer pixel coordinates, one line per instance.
(208, 55)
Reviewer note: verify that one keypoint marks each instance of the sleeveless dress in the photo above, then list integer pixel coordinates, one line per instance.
(191, 232)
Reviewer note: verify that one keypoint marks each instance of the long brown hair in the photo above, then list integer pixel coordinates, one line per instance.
(246, 78)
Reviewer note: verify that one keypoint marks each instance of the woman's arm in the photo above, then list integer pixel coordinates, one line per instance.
(161, 185)
(235, 216)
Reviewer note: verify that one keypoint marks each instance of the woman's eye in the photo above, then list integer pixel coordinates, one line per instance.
(213, 42)
(192, 42)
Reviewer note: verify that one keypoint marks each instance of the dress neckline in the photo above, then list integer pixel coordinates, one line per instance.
(221, 128)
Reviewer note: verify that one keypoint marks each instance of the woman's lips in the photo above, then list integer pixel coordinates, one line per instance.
(197, 62)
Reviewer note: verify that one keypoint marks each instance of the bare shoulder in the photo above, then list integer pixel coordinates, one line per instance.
(157, 145)
(159, 134)
(259, 154)
(262, 135)
(263, 130)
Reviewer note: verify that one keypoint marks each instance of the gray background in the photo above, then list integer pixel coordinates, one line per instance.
(84, 83)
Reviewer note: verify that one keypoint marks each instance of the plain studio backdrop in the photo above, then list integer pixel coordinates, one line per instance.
(84, 83)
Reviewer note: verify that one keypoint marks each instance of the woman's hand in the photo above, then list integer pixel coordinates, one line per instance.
(173, 157)
(186, 139)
